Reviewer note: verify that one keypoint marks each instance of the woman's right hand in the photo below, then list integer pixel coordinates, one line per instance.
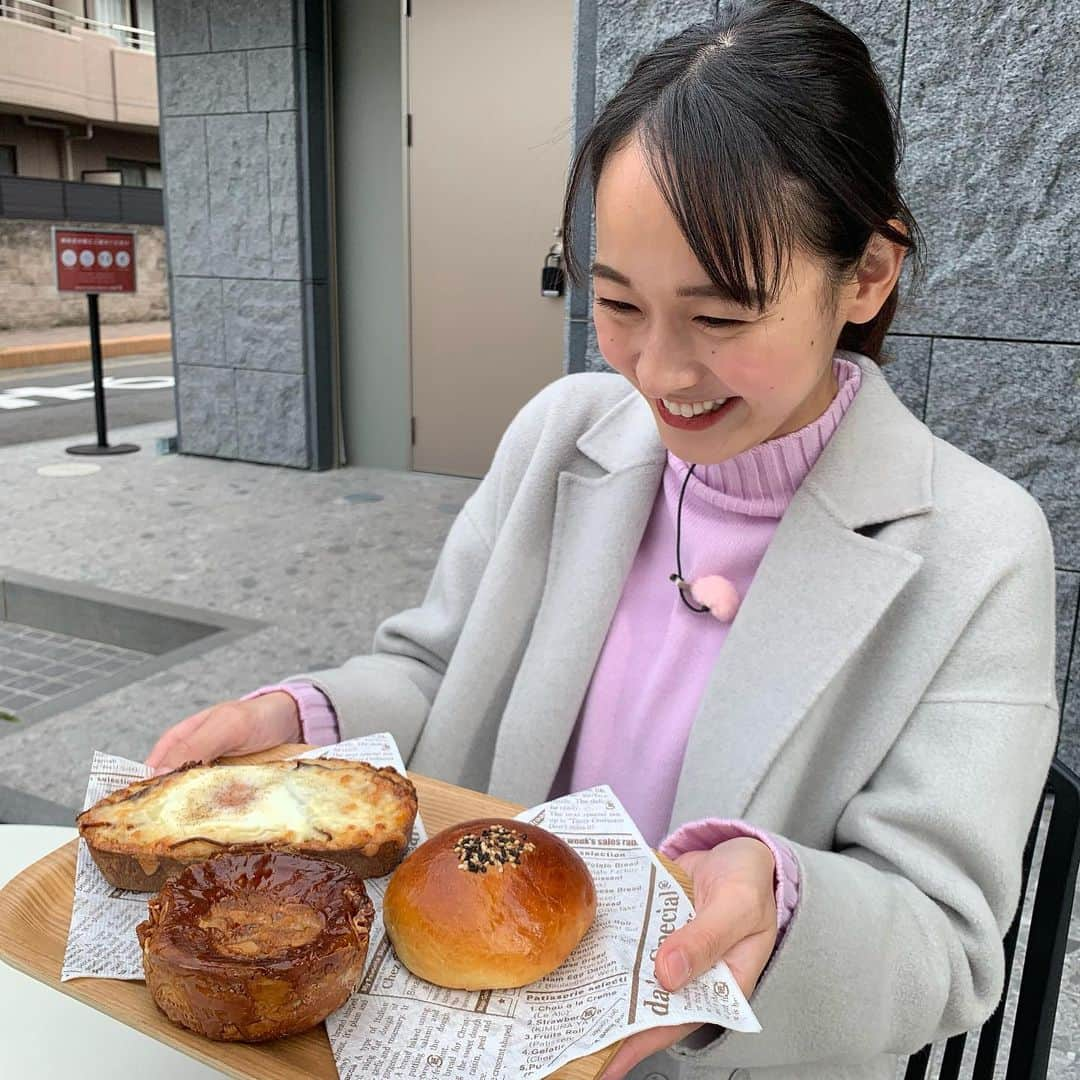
(230, 728)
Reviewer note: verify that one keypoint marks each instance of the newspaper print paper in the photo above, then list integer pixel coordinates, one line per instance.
(398, 1026)
(101, 940)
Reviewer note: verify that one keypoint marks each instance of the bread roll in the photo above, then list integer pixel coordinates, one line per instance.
(488, 904)
(345, 811)
(251, 946)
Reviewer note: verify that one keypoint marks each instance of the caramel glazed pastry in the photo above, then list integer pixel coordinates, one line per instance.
(345, 811)
(253, 945)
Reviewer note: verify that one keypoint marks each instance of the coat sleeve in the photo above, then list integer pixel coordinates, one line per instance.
(897, 937)
(393, 688)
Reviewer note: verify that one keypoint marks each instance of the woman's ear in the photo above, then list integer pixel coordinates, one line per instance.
(875, 276)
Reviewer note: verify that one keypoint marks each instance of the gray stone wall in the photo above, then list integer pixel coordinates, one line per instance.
(230, 78)
(988, 351)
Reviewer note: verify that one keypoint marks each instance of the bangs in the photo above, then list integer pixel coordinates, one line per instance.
(726, 189)
(770, 136)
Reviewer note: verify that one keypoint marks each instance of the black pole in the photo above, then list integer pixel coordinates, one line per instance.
(98, 373)
(102, 446)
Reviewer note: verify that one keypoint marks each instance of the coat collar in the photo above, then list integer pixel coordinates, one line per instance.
(819, 592)
(875, 468)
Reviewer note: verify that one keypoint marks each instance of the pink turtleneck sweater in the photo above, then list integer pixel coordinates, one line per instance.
(658, 655)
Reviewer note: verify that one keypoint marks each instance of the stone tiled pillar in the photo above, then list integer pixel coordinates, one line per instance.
(244, 159)
(991, 107)
(988, 350)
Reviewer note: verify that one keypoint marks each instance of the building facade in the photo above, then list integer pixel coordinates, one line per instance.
(78, 148)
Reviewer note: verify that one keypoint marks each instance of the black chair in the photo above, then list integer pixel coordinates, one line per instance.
(1029, 1050)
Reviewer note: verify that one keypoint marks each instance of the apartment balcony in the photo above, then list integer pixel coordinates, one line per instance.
(59, 64)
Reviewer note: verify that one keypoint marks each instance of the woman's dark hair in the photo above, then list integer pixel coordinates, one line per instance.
(766, 131)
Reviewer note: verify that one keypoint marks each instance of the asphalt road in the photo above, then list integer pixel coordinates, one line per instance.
(55, 402)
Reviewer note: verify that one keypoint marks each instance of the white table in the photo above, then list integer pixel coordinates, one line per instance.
(44, 1033)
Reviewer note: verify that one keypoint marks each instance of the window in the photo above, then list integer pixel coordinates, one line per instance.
(144, 14)
(7, 161)
(102, 176)
(136, 173)
(124, 15)
(115, 13)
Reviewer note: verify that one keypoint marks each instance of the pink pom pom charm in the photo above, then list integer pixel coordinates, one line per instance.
(718, 595)
(714, 594)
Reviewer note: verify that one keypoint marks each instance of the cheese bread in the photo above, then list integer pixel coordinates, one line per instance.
(345, 811)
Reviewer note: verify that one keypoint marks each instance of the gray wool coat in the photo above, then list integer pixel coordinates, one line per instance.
(885, 700)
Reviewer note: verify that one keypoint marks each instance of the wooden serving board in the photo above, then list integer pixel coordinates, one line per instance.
(35, 912)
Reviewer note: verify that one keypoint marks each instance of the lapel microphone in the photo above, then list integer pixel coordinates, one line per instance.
(715, 593)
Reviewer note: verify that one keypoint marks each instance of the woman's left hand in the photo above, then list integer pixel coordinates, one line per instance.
(735, 901)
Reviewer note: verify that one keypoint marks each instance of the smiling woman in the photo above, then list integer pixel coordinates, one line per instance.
(844, 737)
(736, 247)
(741, 374)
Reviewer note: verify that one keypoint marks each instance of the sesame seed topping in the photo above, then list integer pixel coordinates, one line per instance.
(495, 846)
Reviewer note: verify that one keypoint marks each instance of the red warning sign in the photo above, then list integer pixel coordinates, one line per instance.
(94, 262)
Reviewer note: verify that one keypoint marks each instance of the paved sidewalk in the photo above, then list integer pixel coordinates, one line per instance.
(320, 558)
(65, 344)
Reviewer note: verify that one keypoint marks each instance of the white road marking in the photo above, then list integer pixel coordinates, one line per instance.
(22, 397)
(139, 382)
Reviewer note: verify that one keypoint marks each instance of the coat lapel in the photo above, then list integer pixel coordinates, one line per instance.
(821, 589)
(598, 524)
(810, 607)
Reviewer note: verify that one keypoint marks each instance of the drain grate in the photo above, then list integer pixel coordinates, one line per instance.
(39, 665)
(63, 643)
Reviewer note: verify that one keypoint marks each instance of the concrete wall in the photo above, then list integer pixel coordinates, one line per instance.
(39, 151)
(372, 319)
(114, 143)
(79, 75)
(28, 296)
(248, 265)
(988, 353)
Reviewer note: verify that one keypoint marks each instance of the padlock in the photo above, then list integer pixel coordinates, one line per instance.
(552, 277)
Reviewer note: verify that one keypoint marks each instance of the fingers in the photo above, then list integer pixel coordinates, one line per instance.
(691, 950)
(203, 737)
(747, 960)
(227, 729)
(638, 1047)
(689, 860)
(734, 892)
(167, 748)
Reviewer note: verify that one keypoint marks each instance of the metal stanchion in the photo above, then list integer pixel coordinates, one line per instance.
(102, 445)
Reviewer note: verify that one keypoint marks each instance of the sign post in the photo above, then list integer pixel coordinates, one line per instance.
(94, 262)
